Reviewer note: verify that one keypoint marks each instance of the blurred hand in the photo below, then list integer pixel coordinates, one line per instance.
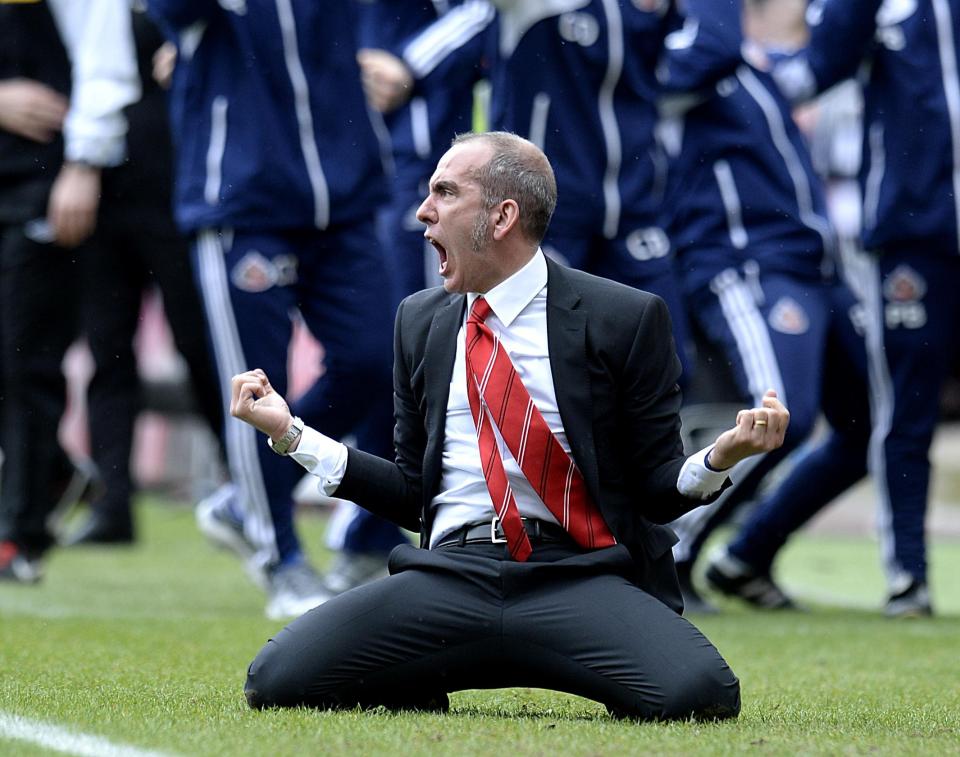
(32, 110)
(74, 199)
(164, 61)
(386, 79)
(760, 429)
(254, 401)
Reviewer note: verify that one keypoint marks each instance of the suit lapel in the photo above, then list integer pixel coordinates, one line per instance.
(439, 354)
(567, 340)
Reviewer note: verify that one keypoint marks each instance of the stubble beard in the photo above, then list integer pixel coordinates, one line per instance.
(482, 232)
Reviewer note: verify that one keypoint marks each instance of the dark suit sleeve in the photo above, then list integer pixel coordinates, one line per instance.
(651, 405)
(392, 489)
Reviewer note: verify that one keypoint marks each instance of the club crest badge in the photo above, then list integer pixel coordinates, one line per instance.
(254, 273)
(903, 290)
(903, 284)
(788, 317)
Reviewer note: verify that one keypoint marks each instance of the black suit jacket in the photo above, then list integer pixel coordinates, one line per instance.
(615, 374)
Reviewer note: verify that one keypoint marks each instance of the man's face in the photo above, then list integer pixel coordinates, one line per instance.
(458, 226)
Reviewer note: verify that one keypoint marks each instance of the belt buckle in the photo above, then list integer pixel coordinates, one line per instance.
(494, 525)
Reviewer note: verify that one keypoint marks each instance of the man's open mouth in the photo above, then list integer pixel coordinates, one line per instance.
(442, 252)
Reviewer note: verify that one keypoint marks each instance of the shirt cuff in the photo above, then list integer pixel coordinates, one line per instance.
(324, 457)
(696, 480)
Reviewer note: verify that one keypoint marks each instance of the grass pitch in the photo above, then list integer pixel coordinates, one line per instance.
(147, 647)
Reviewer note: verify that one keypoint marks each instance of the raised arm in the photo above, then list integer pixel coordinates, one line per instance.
(841, 34)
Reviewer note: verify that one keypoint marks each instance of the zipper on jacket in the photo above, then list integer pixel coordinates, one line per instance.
(731, 204)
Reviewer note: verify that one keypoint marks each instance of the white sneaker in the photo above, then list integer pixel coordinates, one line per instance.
(218, 521)
(294, 590)
(352, 569)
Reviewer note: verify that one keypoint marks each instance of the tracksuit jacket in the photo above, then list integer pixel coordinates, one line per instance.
(273, 131)
(578, 78)
(742, 185)
(906, 52)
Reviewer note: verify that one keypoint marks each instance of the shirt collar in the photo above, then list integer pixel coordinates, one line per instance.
(508, 298)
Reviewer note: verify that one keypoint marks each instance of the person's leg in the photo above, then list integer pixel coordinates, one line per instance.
(405, 640)
(248, 284)
(38, 297)
(342, 290)
(773, 331)
(580, 625)
(166, 255)
(459, 618)
(113, 281)
(913, 313)
(827, 470)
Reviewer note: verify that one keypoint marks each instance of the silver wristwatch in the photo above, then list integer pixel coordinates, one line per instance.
(283, 443)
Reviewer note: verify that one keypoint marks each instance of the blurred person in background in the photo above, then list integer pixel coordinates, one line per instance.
(911, 274)
(278, 174)
(67, 71)
(578, 80)
(137, 245)
(910, 183)
(756, 256)
(420, 131)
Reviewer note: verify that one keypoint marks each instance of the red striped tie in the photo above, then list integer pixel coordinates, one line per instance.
(545, 464)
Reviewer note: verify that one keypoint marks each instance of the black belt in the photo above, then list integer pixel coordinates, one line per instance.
(491, 532)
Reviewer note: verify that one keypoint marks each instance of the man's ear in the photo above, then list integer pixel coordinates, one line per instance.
(505, 217)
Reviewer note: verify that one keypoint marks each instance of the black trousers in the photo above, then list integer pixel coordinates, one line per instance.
(133, 249)
(39, 300)
(471, 618)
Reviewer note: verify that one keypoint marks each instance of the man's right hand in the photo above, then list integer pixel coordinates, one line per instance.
(254, 401)
(386, 79)
(32, 110)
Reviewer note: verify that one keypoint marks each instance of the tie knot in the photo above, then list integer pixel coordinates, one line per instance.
(481, 310)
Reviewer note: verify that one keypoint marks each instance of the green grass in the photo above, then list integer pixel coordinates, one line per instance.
(148, 646)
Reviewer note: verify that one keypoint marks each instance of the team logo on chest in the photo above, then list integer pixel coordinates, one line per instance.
(788, 317)
(904, 289)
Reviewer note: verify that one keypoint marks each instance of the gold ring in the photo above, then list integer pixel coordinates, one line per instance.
(759, 422)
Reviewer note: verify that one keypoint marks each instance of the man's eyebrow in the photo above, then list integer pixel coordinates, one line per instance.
(444, 185)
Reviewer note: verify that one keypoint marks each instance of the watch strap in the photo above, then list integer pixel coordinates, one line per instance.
(283, 443)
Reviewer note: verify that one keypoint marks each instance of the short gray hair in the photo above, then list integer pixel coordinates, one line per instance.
(519, 171)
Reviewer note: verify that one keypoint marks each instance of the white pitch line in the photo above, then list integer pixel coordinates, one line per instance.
(59, 739)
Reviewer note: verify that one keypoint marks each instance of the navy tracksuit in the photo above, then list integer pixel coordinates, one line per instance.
(420, 133)
(279, 170)
(579, 79)
(747, 218)
(910, 178)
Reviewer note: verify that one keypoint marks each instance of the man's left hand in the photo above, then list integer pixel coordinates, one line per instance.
(760, 429)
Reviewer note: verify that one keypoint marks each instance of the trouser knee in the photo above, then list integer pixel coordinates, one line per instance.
(701, 696)
(274, 679)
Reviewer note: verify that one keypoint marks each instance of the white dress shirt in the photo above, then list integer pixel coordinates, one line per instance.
(519, 318)
(98, 38)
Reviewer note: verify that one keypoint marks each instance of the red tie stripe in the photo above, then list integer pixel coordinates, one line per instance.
(549, 469)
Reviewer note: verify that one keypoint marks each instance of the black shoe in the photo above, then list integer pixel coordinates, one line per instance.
(912, 602)
(693, 602)
(735, 578)
(101, 528)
